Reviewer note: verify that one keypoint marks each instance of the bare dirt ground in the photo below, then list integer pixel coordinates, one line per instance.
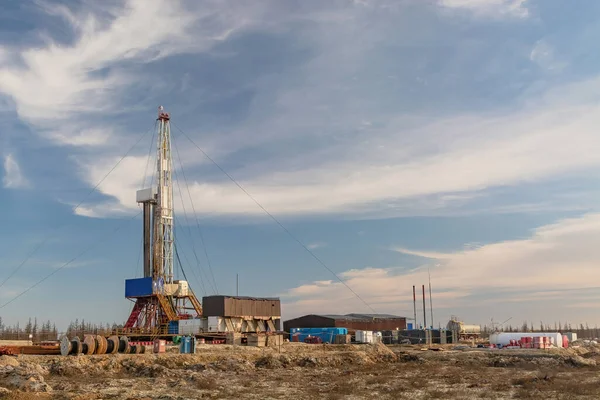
(300, 371)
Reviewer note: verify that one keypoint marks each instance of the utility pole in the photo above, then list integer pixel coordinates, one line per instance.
(237, 285)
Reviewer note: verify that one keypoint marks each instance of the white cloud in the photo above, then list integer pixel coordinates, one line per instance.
(316, 245)
(490, 8)
(543, 54)
(395, 165)
(13, 177)
(55, 84)
(557, 263)
(472, 154)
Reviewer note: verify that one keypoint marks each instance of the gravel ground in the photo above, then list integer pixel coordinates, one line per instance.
(300, 371)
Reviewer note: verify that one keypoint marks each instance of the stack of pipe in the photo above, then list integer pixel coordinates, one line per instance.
(97, 344)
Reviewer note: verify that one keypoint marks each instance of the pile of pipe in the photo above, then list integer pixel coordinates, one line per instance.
(97, 344)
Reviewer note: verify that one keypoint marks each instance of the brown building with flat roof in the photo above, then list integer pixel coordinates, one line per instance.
(240, 306)
(353, 322)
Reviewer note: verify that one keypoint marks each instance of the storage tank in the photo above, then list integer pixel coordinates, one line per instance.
(504, 338)
(462, 328)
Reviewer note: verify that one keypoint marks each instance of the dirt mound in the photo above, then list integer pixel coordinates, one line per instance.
(27, 377)
(578, 361)
(383, 353)
(269, 362)
(9, 360)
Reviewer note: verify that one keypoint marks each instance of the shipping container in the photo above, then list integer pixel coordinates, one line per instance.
(190, 326)
(327, 335)
(364, 336)
(235, 306)
(139, 287)
(173, 328)
(335, 331)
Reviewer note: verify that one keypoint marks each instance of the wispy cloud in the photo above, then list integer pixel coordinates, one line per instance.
(520, 147)
(76, 85)
(13, 177)
(556, 258)
(490, 8)
(318, 136)
(543, 54)
(316, 245)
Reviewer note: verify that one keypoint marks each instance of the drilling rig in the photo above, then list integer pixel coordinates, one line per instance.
(159, 299)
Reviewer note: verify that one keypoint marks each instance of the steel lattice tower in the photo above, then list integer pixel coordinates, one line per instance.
(159, 299)
(163, 210)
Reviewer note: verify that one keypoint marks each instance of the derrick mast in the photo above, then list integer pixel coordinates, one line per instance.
(163, 210)
(159, 299)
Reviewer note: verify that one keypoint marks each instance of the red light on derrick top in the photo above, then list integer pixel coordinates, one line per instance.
(163, 115)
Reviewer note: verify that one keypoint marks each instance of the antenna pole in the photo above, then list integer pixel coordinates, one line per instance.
(237, 285)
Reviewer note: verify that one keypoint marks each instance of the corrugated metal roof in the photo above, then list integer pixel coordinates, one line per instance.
(360, 317)
(383, 316)
(243, 297)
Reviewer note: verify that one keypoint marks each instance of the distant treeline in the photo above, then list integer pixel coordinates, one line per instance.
(583, 331)
(47, 330)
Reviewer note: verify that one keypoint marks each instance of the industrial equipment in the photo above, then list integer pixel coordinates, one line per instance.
(158, 298)
(461, 330)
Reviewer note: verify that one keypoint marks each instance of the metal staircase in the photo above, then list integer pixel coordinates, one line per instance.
(167, 307)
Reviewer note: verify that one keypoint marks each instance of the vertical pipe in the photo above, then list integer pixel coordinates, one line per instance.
(424, 310)
(430, 300)
(415, 306)
(147, 246)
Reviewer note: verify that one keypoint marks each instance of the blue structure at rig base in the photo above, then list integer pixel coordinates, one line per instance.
(139, 287)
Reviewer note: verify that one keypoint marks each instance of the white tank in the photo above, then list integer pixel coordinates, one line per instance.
(462, 328)
(504, 338)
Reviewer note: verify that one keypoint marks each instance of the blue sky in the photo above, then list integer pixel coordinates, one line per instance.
(391, 137)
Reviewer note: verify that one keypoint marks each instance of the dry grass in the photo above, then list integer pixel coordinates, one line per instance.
(26, 396)
(207, 383)
(332, 373)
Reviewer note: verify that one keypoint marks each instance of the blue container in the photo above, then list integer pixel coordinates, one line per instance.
(138, 287)
(327, 335)
(185, 347)
(409, 326)
(173, 328)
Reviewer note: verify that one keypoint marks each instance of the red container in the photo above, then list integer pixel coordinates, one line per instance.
(160, 346)
(565, 342)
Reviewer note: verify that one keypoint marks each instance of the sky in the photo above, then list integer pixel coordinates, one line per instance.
(391, 140)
